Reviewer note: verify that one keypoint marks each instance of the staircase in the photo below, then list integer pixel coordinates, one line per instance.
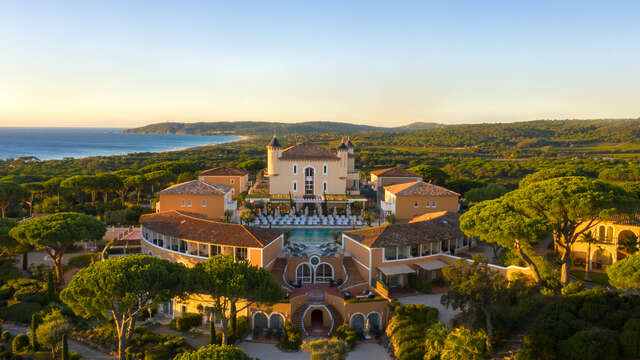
(297, 319)
(277, 271)
(337, 319)
(354, 275)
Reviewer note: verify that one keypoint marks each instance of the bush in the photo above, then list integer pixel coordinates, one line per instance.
(573, 287)
(128, 216)
(215, 352)
(20, 312)
(186, 321)
(20, 343)
(292, 338)
(347, 334)
(6, 336)
(591, 344)
(147, 343)
(156, 354)
(630, 338)
(23, 289)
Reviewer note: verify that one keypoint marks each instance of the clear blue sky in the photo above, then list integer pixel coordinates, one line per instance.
(111, 63)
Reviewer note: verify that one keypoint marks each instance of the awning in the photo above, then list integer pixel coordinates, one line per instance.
(396, 270)
(432, 265)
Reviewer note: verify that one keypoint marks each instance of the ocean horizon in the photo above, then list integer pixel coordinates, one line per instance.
(55, 143)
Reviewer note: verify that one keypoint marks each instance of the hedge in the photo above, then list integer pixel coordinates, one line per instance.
(186, 321)
(20, 312)
(20, 343)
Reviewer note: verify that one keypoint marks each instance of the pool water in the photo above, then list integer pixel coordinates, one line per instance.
(311, 235)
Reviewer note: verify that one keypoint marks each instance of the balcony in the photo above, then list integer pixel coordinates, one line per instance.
(387, 206)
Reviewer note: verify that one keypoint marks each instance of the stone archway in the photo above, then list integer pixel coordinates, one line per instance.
(602, 257)
(317, 319)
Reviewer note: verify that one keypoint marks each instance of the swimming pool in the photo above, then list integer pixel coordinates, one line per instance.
(311, 235)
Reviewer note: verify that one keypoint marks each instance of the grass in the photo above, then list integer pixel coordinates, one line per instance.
(596, 277)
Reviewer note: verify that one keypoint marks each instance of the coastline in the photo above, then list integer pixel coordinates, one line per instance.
(242, 138)
(60, 144)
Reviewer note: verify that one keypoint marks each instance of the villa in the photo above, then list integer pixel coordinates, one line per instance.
(310, 191)
(606, 250)
(306, 175)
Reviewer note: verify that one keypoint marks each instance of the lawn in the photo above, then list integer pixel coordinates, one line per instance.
(596, 277)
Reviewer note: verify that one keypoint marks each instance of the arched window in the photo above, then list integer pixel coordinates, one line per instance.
(276, 321)
(260, 320)
(601, 233)
(610, 234)
(295, 169)
(324, 273)
(373, 322)
(325, 169)
(324, 186)
(357, 322)
(303, 273)
(294, 186)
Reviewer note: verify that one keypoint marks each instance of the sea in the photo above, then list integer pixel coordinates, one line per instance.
(59, 143)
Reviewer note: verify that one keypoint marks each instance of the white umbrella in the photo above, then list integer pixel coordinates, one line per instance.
(348, 210)
(259, 212)
(278, 211)
(335, 211)
(306, 210)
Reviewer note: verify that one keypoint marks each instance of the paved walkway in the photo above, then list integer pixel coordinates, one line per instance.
(369, 351)
(445, 314)
(84, 351)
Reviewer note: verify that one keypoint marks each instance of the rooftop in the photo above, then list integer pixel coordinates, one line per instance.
(419, 188)
(435, 227)
(308, 150)
(223, 171)
(395, 172)
(189, 226)
(197, 187)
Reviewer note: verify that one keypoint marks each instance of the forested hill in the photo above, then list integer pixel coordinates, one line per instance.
(526, 134)
(267, 128)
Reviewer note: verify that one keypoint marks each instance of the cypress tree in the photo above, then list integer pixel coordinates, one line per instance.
(65, 347)
(233, 324)
(32, 333)
(51, 288)
(25, 261)
(212, 330)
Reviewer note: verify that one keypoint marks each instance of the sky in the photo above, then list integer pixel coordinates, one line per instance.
(132, 63)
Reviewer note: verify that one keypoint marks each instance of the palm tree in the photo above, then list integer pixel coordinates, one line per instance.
(589, 239)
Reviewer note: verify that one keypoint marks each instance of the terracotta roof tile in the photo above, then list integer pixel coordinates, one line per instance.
(197, 187)
(308, 150)
(437, 227)
(419, 188)
(223, 171)
(189, 226)
(394, 172)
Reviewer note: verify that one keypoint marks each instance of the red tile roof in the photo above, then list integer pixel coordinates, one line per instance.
(419, 188)
(223, 171)
(308, 150)
(394, 172)
(189, 226)
(197, 187)
(439, 226)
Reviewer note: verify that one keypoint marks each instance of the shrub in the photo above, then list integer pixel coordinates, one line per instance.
(592, 310)
(147, 343)
(23, 289)
(591, 344)
(213, 352)
(347, 334)
(20, 312)
(20, 343)
(156, 354)
(573, 287)
(242, 325)
(6, 336)
(186, 321)
(630, 338)
(292, 338)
